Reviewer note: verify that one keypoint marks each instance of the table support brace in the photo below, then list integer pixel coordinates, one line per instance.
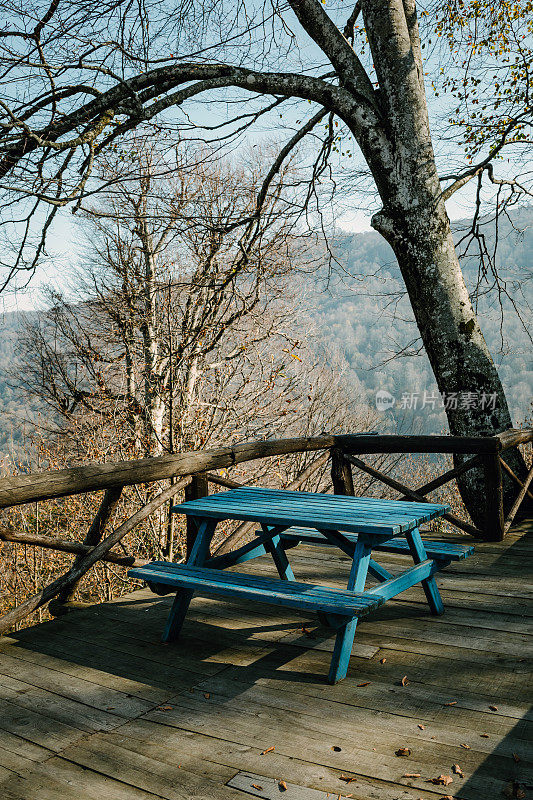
(273, 546)
(421, 572)
(418, 552)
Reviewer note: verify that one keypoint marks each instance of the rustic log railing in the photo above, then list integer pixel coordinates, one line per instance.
(192, 472)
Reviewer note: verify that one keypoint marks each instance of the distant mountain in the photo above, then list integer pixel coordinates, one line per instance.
(366, 315)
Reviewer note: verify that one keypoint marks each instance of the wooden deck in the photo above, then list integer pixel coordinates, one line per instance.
(92, 707)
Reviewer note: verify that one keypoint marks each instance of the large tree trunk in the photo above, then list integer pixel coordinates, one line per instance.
(415, 223)
(454, 343)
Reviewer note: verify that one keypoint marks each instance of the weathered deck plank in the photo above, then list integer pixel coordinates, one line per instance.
(93, 707)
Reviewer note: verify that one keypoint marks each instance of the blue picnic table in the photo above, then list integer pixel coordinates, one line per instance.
(355, 525)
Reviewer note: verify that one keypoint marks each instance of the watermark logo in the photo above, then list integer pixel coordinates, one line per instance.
(417, 401)
(384, 400)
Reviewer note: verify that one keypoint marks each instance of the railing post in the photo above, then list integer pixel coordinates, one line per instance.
(518, 500)
(58, 605)
(341, 473)
(494, 527)
(198, 487)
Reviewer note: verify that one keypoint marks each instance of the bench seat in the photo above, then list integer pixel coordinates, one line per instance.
(303, 596)
(436, 550)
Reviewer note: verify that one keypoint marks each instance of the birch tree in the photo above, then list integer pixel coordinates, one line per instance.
(78, 77)
(169, 295)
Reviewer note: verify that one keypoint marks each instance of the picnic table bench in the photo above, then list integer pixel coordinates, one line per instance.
(355, 525)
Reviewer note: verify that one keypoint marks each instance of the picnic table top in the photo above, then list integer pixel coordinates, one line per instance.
(308, 509)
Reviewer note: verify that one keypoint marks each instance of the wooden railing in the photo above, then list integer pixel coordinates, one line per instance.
(192, 472)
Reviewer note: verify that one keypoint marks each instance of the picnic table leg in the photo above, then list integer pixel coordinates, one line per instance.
(345, 635)
(199, 553)
(418, 552)
(274, 547)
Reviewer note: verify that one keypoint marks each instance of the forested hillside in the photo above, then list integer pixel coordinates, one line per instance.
(361, 312)
(370, 320)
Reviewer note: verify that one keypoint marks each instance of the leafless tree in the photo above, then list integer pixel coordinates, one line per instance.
(166, 286)
(179, 331)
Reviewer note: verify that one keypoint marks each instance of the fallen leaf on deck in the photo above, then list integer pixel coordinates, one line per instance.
(403, 751)
(307, 632)
(457, 770)
(516, 758)
(493, 708)
(207, 695)
(422, 727)
(411, 775)
(256, 786)
(466, 746)
(165, 708)
(442, 780)
(268, 750)
(451, 703)
(365, 683)
(336, 748)
(282, 786)
(382, 660)
(484, 735)
(404, 681)
(346, 778)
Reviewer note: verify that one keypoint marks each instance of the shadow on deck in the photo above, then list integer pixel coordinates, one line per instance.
(93, 706)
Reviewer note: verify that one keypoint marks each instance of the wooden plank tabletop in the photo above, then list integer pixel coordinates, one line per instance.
(307, 509)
